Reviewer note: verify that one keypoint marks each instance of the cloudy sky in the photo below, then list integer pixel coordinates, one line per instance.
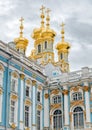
(77, 15)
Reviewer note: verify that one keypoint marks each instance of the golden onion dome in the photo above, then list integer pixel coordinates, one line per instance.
(62, 45)
(21, 41)
(37, 31)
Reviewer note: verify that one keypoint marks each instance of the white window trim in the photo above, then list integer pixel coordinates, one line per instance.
(28, 85)
(1, 79)
(16, 113)
(16, 84)
(1, 99)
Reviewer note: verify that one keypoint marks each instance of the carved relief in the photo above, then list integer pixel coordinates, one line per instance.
(39, 107)
(14, 74)
(33, 82)
(40, 87)
(46, 96)
(86, 88)
(75, 103)
(65, 92)
(28, 81)
(22, 76)
(1, 91)
(76, 88)
(1, 68)
(55, 91)
(13, 125)
(14, 96)
(54, 106)
(27, 102)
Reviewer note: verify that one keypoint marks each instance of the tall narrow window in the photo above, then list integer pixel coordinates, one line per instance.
(78, 118)
(12, 111)
(26, 116)
(57, 120)
(13, 85)
(39, 48)
(45, 45)
(38, 120)
(27, 91)
(61, 56)
(38, 96)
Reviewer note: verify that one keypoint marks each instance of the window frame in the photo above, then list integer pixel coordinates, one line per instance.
(27, 115)
(38, 120)
(38, 96)
(77, 96)
(12, 113)
(39, 48)
(45, 45)
(56, 99)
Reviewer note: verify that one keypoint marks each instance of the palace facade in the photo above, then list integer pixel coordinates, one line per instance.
(38, 93)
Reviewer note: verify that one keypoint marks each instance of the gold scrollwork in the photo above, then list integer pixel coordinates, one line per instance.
(14, 96)
(46, 95)
(14, 74)
(55, 91)
(22, 76)
(27, 102)
(39, 107)
(75, 103)
(33, 82)
(86, 88)
(1, 91)
(65, 92)
(54, 106)
(13, 125)
(28, 81)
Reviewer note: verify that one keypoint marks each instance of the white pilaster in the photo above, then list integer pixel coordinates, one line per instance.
(21, 126)
(87, 103)
(1, 107)
(66, 111)
(46, 109)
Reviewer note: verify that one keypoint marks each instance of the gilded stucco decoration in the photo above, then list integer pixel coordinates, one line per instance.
(27, 102)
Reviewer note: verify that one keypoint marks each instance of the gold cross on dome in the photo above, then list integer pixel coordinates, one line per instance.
(21, 19)
(62, 25)
(48, 10)
(42, 8)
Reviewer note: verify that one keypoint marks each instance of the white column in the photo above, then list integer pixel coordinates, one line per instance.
(16, 113)
(87, 102)
(21, 126)
(34, 105)
(66, 111)
(46, 109)
(1, 107)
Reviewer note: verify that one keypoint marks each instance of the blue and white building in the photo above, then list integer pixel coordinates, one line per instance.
(37, 93)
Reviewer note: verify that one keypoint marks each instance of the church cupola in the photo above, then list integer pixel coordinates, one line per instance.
(63, 51)
(21, 42)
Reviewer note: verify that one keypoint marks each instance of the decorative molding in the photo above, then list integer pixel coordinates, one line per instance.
(22, 76)
(78, 102)
(54, 106)
(46, 95)
(27, 102)
(27, 128)
(40, 87)
(28, 82)
(33, 82)
(86, 88)
(39, 107)
(13, 125)
(1, 68)
(14, 96)
(76, 88)
(1, 91)
(55, 91)
(15, 74)
(65, 92)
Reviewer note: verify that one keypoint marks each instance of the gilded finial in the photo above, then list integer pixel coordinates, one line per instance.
(48, 17)
(21, 26)
(62, 31)
(42, 16)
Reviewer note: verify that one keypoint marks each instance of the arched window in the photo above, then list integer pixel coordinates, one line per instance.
(39, 48)
(57, 99)
(45, 45)
(57, 120)
(78, 118)
(77, 96)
